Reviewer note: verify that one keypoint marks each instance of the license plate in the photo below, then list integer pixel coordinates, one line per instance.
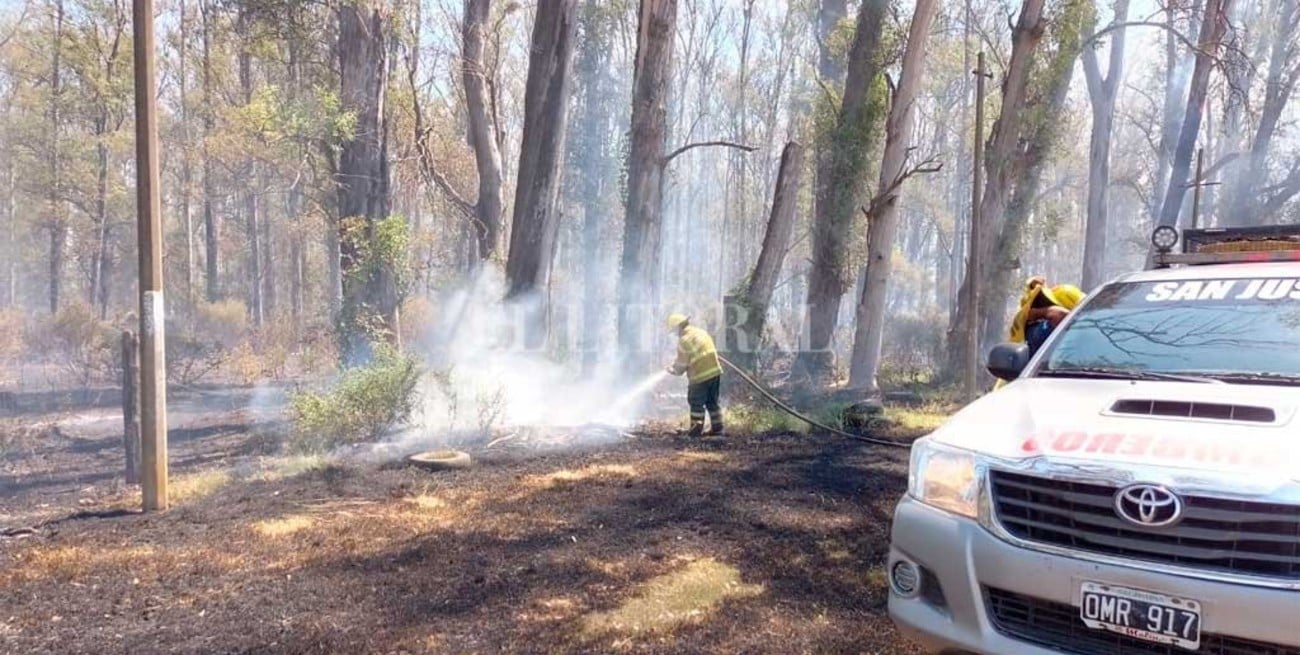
(1142, 615)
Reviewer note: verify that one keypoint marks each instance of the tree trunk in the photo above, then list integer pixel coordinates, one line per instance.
(1037, 147)
(1239, 76)
(535, 222)
(1175, 92)
(482, 128)
(1102, 93)
(333, 290)
(253, 229)
(211, 222)
(830, 67)
(841, 172)
(1279, 87)
(1213, 25)
(187, 217)
(999, 162)
(10, 289)
(643, 223)
(882, 229)
(98, 292)
(750, 316)
(250, 175)
(296, 252)
(267, 268)
(593, 141)
(58, 222)
(363, 189)
(294, 201)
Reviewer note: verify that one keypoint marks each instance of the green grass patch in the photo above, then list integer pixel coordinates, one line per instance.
(762, 419)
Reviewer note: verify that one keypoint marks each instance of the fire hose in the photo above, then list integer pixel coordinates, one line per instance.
(889, 443)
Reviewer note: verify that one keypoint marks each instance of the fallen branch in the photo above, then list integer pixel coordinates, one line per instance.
(498, 440)
(705, 144)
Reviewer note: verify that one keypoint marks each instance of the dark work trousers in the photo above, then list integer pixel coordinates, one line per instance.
(703, 396)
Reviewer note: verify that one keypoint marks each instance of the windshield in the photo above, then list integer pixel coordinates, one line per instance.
(1236, 329)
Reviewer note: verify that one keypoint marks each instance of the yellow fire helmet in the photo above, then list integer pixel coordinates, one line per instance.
(676, 321)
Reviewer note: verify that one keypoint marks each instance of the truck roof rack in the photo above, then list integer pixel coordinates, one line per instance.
(1221, 245)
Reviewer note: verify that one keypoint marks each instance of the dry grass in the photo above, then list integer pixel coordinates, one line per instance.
(193, 486)
(688, 594)
(80, 566)
(425, 501)
(281, 527)
(702, 456)
(599, 472)
(919, 420)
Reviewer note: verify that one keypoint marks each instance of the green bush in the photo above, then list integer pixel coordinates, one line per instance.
(364, 404)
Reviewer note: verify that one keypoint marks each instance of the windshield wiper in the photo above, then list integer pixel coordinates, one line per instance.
(1258, 378)
(1102, 373)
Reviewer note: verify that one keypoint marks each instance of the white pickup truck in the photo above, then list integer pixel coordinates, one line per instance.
(1136, 487)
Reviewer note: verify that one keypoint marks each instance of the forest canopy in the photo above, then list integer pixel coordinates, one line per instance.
(335, 172)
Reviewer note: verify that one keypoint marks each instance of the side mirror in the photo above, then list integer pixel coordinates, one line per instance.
(1008, 360)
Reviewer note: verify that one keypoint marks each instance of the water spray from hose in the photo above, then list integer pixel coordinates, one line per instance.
(620, 405)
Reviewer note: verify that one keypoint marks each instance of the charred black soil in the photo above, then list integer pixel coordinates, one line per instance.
(652, 544)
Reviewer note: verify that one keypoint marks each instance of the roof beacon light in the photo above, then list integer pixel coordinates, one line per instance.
(1164, 238)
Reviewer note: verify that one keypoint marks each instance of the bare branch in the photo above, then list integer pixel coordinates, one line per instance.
(704, 144)
(890, 194)
(427, 167)
(1183, 38)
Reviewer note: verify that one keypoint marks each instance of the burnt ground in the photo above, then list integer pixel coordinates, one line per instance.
(652, 543)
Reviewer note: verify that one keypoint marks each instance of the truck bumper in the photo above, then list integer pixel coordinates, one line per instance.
(966, 573)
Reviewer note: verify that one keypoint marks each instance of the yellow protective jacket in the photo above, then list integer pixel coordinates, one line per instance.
(1062, 295)
(697, 357)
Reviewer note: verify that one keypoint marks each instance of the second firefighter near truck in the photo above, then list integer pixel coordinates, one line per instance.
(697, 357)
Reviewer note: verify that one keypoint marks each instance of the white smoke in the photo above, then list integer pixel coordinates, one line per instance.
(483, 377)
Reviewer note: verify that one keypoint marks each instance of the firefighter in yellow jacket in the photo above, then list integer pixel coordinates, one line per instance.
(1041, 309)
(697, 357)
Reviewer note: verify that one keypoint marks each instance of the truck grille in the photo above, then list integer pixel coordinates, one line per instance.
(1058, 626)
(1249, 538)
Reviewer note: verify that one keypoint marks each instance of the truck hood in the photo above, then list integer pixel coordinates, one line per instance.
(1076, 420)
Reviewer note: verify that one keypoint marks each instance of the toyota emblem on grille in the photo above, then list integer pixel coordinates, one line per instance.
(1148, 505)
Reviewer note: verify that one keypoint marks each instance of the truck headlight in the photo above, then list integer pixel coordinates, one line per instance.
(944, 477)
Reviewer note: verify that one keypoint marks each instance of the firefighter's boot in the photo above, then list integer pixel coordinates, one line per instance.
(697, 428)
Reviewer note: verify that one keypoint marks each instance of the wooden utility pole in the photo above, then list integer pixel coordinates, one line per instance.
(971, 377)
(1196, 184)
(153, 380)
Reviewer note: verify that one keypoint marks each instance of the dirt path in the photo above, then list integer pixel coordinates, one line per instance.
(656, 545)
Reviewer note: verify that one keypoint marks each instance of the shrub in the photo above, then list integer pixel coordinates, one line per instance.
(913, 350)
(203, 344)
(88, 348)
(363, 405)
(224, 322)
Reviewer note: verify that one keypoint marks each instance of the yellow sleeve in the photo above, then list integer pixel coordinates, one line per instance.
(1020, 321)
